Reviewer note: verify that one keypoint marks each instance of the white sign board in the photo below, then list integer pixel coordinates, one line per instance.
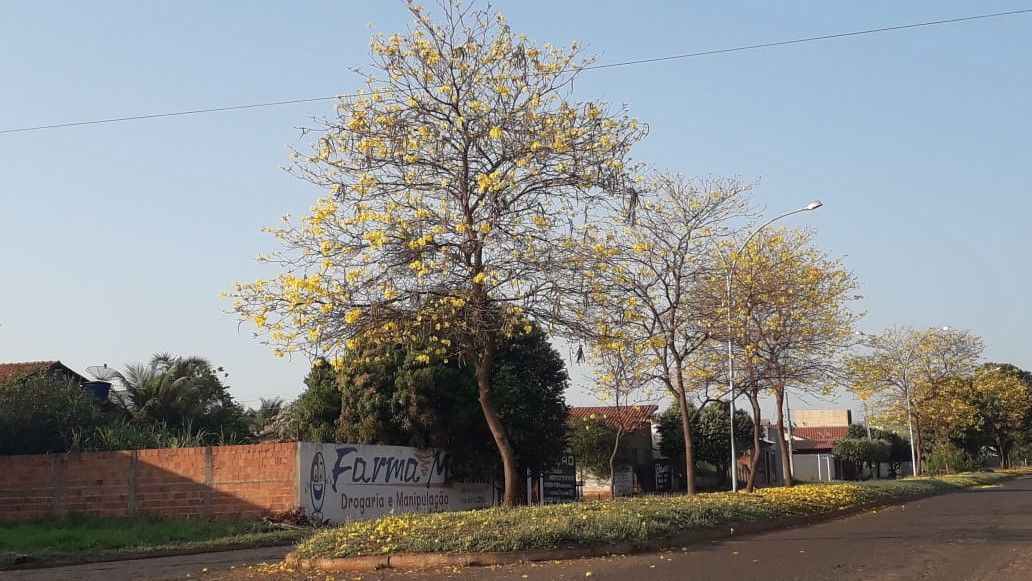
(342, 482)
(623, 481)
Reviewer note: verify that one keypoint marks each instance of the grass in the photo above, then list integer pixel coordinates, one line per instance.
(93, 538)
(631, 520)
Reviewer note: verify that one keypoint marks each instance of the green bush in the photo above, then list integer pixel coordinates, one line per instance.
(949, 459)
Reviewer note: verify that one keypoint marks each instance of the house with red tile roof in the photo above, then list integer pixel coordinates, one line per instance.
(636, 423)
(56, 372)
(51, 369)
(812, 457)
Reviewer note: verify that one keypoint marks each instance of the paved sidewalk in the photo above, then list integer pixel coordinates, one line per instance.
(178, 567)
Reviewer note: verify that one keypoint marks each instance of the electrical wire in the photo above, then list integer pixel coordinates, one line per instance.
(587, 68)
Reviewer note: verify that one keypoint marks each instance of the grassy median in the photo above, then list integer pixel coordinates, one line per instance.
(631, 520)
(91, 538)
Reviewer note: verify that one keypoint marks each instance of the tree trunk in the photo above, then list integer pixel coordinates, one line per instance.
(484, 367)
(786, 463)
(1004, 448)
(917, 443)
(689, 456)
(612, 461)
(754, 461)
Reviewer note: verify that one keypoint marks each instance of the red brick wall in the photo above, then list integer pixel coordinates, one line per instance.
(222, 481)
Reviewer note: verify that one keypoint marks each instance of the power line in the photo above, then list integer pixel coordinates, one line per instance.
(588, 68)
(172, 114)
(808, 39)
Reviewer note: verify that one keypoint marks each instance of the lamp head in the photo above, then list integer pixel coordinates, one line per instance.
(814, 205)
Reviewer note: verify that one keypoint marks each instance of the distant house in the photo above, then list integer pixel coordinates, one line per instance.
(813, 432)
(54, 371)
(636, 422)
(812, 453)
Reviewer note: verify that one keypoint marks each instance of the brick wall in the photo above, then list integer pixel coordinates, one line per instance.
(222, 481)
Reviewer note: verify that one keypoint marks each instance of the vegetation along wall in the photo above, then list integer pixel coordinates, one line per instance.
(221, 481)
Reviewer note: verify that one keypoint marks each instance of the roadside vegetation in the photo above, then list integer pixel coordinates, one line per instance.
(81, 539)
(634, 521)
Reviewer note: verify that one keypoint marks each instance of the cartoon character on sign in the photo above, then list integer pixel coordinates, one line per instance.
(425, 459)
(317, 485)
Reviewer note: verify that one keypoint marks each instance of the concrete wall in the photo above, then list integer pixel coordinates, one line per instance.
(222, 481)
(821, 418)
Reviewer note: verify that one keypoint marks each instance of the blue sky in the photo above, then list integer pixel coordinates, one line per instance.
(118, 238)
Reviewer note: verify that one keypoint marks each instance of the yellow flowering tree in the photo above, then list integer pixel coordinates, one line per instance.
(1002, 394)
(450, 185)
(644, 279)
(910, 377)
(620, 383)
(790, 317)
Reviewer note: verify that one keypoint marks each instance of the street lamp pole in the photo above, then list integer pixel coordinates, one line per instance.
(730, 349)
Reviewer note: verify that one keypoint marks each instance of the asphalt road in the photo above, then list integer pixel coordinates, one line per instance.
(978, 534)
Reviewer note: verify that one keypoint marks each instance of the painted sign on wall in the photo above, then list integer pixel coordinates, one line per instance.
(342, 482)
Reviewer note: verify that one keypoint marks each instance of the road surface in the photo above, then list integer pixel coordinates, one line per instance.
(978, 534)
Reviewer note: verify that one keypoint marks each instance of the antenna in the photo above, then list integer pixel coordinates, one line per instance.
(102, 372)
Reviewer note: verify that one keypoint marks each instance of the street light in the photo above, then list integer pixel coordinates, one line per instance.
(730, 350)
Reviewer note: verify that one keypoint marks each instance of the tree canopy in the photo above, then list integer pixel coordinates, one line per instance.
(914, 378)
(451, 184)
(391, 396)
(40, 415)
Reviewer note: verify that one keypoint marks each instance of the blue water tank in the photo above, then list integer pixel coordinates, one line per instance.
(98, 389)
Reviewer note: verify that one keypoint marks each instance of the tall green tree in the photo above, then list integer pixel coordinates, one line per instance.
(313, 416)
(711, 435)
(450, 187)
(395, 396)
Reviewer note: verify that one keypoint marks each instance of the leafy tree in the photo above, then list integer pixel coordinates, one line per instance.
(948, 458)
(643, 286)
(177, 393)
(595, 445)
(393, 396)
(790, 317)
(450, 187)
(861, 451)
(39, 415)
(1001, 397)
(530, 381)
(899, 449)
(906, 372)
(313, 416)
(711, 435)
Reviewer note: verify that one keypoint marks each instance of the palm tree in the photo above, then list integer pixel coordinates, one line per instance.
(261, 419)
(182, 394)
